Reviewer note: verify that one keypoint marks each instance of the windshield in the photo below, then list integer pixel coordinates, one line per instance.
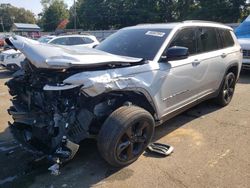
(44, 39)
(139, 43)
(243, 31)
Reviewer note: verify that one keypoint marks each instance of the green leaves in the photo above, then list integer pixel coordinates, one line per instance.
(225, 11)
(54, 12)
(115, 14)
(109, 14)
(10, 14)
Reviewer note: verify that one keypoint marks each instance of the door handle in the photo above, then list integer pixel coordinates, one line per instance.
(223, 55)
(196, 62)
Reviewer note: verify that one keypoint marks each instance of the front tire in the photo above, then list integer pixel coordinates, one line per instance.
(125, 135)
(227, 90)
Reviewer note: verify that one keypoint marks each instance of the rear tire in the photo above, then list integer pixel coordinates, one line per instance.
(125, 135)
(227, 90)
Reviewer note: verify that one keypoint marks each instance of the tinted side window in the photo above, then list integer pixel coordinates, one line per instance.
(207, 40)
(226, 37)
(76, 41)
(60, 41)
(185, 38)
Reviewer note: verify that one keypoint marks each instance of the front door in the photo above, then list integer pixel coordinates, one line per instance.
(183, 78)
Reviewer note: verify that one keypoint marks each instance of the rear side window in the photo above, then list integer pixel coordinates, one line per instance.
(185, 38)
(226, 38)
(206, 40)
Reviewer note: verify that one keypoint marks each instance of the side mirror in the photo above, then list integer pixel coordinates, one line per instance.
(177, 53)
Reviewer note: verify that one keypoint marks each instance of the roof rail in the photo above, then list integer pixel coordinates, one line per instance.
(198, 21)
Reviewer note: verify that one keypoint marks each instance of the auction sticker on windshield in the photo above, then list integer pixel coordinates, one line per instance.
(155, 33)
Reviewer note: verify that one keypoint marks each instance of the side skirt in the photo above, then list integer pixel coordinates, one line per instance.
(186, 107)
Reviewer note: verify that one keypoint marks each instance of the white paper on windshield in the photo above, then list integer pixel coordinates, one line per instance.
(155, 33)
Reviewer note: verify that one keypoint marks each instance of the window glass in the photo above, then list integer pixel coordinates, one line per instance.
(60, 41)
(226, 38)
(243, 31)
(87, 40)
(44, 39)
(76, 40)
(141, 43)
(219, 39)
(185, 38)
(207, 40)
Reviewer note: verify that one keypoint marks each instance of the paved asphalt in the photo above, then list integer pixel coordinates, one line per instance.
(212, 149)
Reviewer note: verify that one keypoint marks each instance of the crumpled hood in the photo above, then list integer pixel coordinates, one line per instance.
(55, 57)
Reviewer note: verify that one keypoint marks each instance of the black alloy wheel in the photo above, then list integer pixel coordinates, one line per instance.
(133, 141)
(125, 135)
(227, 90)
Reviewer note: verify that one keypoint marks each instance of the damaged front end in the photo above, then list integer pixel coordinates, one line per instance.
(62, 96)
(49, 121)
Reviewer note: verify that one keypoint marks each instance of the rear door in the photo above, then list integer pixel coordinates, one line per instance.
(211, 59)
(228, 51)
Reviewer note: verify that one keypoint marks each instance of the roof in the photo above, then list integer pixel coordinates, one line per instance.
(156, 25)
(181, 24)
(25, 26)
(74, 35)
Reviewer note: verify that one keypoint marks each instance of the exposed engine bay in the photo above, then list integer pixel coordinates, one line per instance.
(54, 122)
(62, 96)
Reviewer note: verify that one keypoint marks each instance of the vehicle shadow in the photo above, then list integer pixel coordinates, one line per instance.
(86, 169)
(244, 77)
(4, 74)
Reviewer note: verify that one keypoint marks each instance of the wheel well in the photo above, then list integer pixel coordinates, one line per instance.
(109, 102)
(137, 99)
(234, 69)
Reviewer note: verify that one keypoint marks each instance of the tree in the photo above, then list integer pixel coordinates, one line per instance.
(184, 9)
(224, 11)
(54, 12)
(107, 14)
(10, 14)
(47, 3)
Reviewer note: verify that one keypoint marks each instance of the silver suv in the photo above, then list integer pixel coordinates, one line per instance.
(117, 93)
